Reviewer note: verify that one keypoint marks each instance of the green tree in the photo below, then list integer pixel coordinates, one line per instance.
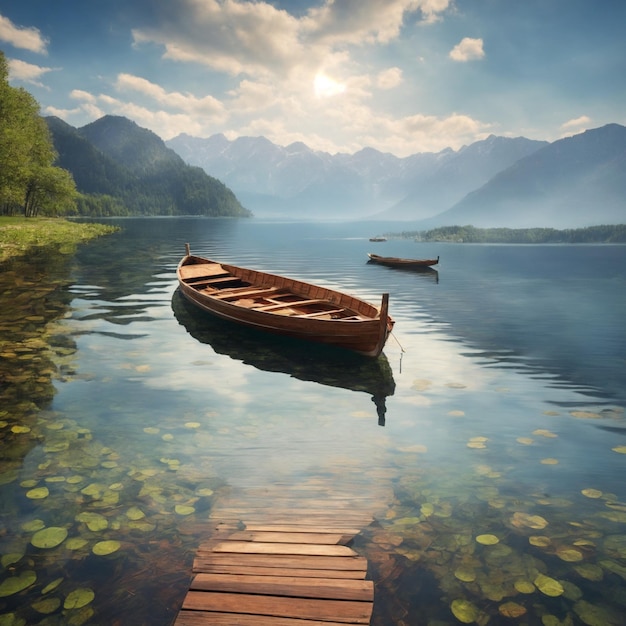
(29, 183)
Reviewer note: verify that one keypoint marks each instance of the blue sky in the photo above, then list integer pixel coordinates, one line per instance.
(401, 76)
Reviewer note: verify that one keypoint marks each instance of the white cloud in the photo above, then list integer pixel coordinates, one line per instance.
(23, 38)
(467, 50)
(576, 125)
(27, 72)
(366, 21)
(390, 78)
(187, 103)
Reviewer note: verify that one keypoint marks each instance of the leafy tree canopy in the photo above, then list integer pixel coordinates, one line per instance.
(29, 182)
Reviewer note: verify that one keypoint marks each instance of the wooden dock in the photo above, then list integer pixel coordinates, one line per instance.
(280, 555)
(279, 574)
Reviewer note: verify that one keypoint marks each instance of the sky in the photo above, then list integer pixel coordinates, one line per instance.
(400, 76)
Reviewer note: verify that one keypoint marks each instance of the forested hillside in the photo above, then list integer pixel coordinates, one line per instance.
(124, 169)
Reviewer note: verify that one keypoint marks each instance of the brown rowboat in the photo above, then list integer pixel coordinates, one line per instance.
(393, 261)
(285, 306)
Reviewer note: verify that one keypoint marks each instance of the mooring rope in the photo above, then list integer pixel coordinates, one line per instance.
(401, 348)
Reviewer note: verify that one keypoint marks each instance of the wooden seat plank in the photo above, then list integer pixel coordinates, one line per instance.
(201, 269)
(291, 586)
(318, 313)
(258, 547)
(239, 292)
(282, 305)
(347, 611)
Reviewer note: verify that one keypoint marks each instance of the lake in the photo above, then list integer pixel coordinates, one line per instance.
(489, 442)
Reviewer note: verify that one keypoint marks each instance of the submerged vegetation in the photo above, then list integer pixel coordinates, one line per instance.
(20, 234)
(470, 234)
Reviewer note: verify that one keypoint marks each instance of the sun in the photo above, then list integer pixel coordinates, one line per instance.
(326, 87)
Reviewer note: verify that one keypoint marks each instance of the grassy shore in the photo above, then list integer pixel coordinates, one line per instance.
(19, 234)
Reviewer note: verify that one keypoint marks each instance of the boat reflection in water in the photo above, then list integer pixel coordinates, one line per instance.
(300, 359)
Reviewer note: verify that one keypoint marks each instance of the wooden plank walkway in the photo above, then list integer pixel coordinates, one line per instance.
(296, 571)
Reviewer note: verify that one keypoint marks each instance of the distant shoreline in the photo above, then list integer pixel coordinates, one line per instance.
(469, 234)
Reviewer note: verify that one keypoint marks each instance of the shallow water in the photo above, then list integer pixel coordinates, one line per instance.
(497, 410)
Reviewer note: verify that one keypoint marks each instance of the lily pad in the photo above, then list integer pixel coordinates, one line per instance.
(49, 537)
(524, 586)
(549, 586)
(38, 493)
(135, 513)
(487, 540)
(464, 611)
(33, 526)
(15, 584)
(465, 574)
(76, 543)
(511, 609)
(592, 493)
(46, 605)
(102, 548)
(94, 521)
(539, 541)
(594, 615)
(570, 555)
(79, 598)
(51, 586)
(183, 509)
(521, 520)
(10, 558)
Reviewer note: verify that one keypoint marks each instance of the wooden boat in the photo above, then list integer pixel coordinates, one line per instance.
(392, 261)
(285, 306)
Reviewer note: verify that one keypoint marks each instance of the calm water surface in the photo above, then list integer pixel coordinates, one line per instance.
(489, 442)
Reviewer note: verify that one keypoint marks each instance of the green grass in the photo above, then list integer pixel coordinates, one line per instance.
(19, 234)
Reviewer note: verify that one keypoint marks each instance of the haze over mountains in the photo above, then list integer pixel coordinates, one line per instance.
(498, 182)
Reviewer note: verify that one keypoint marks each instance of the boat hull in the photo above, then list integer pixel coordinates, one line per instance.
(363, 328)
(391, 261)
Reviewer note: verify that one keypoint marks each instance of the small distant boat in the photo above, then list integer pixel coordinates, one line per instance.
(392, 261)
(378, 239)
(285, 306)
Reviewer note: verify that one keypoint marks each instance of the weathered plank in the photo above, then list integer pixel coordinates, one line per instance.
(199, 618)
(346, 611)
(354, 564)
(258, 547)
(295, 528)
(251, 570)
(272, 536)
(291, 586)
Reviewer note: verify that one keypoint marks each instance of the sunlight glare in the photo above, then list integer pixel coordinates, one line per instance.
(326, 87)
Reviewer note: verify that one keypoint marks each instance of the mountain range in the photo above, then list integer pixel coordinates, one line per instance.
(497, 182)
